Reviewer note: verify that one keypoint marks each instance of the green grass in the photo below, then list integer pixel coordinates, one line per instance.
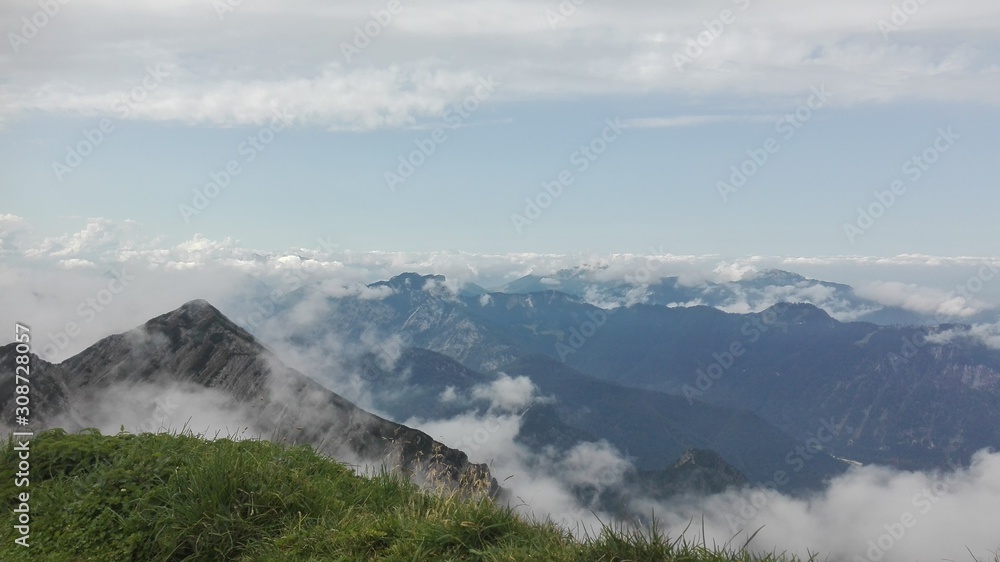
(181, 497)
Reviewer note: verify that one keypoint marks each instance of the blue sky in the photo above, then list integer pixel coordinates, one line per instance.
(652, 187)
(211, 81)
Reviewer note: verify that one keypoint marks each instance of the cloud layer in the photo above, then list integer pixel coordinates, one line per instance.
(363, 65)
(83, 285)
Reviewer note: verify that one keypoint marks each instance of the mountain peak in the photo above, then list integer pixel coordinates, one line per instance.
(704, 458)
(193, 311)
(714, 472)
(411, 281)
(776, 276)
(798, 313)
(199, 305)
(197, 346)
(196, 321)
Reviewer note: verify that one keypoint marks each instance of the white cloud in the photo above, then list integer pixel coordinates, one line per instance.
(170, 407)
(737, 270)
(836, 304)
(593, 295)
(201, 267)
(541, 482)
(507, 394)
(100, 236)
(695, 121)
(75, 263)
(919, 299)
(905, 515)
(335, 97)
(986, 334)
(338, 289)
(239, 69)
(12, 228)
(449, 395)
(587, 463)
(447, 289)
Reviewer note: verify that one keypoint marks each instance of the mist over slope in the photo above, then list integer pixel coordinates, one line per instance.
(195, 361)
(912, 397)
(498, 415)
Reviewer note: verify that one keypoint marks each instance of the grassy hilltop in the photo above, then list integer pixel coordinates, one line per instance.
(181, 497)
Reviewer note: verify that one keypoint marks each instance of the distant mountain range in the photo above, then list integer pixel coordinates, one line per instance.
(896, 395)
(755, 292)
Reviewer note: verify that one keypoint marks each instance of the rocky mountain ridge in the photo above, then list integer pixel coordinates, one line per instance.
(197, 345)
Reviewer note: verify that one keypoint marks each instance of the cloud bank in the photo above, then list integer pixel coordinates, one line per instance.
(82, 285)
(376, 64)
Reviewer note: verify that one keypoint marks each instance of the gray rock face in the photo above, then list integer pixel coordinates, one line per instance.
(49, 398)
(197, 345)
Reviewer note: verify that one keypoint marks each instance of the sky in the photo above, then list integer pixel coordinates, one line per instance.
(732, 128)
(154, 152)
